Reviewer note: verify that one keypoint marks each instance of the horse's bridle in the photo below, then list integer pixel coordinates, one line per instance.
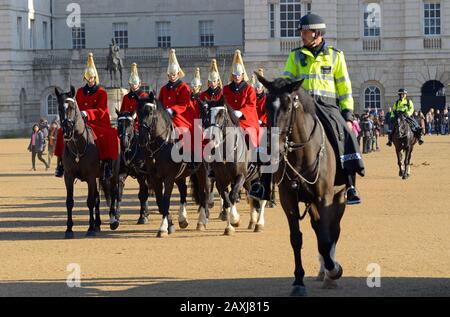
(132, 135)
(70, 124)
(290, 146)
(150, 130)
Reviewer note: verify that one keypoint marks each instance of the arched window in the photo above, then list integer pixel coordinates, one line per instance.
(372, 98)
(52, 105)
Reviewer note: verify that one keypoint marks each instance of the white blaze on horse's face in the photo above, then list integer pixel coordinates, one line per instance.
(214, 112)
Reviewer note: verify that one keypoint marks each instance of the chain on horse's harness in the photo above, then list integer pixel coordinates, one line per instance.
(290, 146)
(151, 129)
(77, 155)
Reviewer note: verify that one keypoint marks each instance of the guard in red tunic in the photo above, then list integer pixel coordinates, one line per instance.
(214, 91)
(260, 99)
(176, 98)
(130, 101)
(242, 98)
(196, 88)
(92, 101)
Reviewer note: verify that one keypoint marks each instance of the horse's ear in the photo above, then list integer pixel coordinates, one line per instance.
(151, 96)
(263, 81)
(58, 92)
(72, 91)
(295, 85)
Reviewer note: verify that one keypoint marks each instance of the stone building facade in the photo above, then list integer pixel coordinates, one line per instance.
(388, 44)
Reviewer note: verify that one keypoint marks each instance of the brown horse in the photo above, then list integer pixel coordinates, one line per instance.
(307, 173)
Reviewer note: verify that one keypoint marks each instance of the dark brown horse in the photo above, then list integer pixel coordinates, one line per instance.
(81, 161)
(404, 141)
(307, 173)
(163, 172)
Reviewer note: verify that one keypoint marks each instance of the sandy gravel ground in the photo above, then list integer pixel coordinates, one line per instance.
(402, 226)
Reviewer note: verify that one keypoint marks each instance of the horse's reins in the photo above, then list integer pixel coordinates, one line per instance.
(290, 147)
(77, 155)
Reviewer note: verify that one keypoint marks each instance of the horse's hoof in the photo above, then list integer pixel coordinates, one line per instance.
(201, 227)
(172, 229)
(162, 234)
(142, 221)
(237, 224)
(335, 275)
(299, 291)
(229, 231)
(183, 224)
(69, 235)
(251, 225)
(223, 216)
(91, 233)
(114, 225)
(320, 277)
(259, 228)
(329, 284)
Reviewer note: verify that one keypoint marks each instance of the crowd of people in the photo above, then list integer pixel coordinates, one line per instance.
(369, 126)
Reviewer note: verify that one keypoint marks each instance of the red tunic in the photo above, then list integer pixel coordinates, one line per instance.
(177, 96)
(94, 101)
(211, 94)
(243, 98)
(260, 108)
(130, 103)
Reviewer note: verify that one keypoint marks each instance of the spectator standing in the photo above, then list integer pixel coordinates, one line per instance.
(36, 147)
(52, 135)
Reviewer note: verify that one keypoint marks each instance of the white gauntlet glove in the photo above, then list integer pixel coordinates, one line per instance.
(238, 114)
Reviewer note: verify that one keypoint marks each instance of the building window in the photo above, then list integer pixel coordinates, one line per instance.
(432, 18)
(121, 34)
(32, 34)
(206, 33)
(79, 37)
(20, 32)
(307, 7)
(45, 34)
(272, 20)
(163, 34)
(290, 14)
(372, 98)
(372, 19)
(52, 105)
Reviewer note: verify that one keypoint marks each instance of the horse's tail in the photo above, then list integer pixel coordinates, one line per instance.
(105, 188)
(195, 185)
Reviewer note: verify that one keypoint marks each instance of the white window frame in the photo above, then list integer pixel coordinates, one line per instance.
(79, 37)
(163, 34)
(371, 31)
(206, 28)
(371, 92)
(51, 103)
(435, 20)
(120, 32)
(291, 19)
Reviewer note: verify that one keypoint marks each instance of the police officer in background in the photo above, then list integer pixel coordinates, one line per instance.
(324, 71)
(405, 106)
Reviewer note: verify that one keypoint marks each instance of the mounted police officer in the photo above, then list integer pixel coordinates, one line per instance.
(405, 106)
(325, 77)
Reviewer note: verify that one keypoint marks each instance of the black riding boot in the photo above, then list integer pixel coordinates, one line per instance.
(352, 194)
(107, 169)
(389, 139)
(260, 189)
(59, 171)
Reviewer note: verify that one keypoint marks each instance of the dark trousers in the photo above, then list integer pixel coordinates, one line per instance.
(39, 155)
